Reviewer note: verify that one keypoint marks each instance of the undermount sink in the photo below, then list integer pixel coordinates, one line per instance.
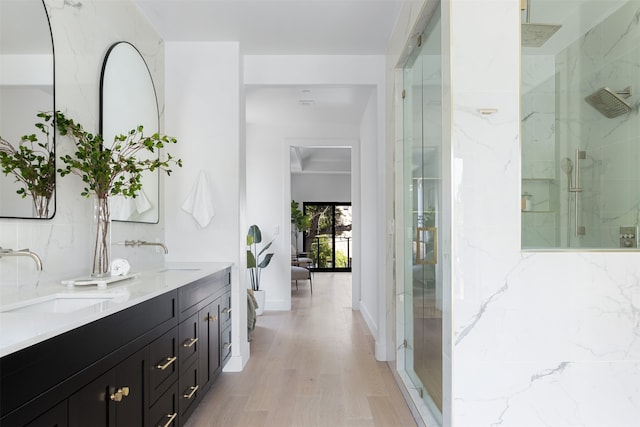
(164, 270)
(63, 303)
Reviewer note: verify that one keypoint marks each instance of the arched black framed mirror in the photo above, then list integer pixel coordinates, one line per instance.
(127, 100)
(27, 168)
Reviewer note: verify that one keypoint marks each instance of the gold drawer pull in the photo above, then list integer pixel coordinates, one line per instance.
(170, 360)
(211, 318)
(193, 391)
(226, 310)
(118, 395)
(227, 346)
(190, 342)
(170, 421)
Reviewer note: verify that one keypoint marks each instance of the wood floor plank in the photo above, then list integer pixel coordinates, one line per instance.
(313, 366)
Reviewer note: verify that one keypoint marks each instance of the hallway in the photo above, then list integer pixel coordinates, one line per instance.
(312, 366)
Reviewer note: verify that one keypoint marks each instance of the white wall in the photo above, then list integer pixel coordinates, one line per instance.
(203, 93)
(82, 36)
(320, 187)
(368, 262)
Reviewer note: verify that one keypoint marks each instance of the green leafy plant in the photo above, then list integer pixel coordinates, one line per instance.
(32, 163)
(301, 221)
(110, 170)
(254, 261)
(115, 169)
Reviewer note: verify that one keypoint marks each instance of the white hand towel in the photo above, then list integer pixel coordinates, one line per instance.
(142, 202)
(199, 203)
(122, 207)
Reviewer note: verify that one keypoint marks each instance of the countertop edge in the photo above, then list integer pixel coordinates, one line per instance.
(21, 330)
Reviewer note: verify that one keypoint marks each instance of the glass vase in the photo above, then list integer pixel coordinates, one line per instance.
(101, 237)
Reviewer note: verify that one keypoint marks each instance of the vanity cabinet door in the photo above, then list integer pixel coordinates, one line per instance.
(128, 394)
(90, 405)
(114, 399)
(209, 357)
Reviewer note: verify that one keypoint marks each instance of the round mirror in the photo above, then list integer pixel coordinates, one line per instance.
(128, 100)
(27, 167)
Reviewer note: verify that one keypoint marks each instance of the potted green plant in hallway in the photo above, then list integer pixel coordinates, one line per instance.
(256, 261)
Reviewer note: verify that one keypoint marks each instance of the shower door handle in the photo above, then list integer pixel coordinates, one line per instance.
(421, 241)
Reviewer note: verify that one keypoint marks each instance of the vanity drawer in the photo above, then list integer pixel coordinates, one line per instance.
(225, 346)
(163, 359)
(189, 390)
(189, 341)
(225, 310)
(198, 294)
(164, 413)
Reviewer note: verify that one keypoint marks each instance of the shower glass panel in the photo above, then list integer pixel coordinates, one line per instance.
(581, 127)
(422, 110)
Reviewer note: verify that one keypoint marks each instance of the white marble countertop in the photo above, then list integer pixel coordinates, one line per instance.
(22, 328)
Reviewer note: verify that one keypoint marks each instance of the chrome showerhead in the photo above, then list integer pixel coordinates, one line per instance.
(611, 104)
(532, 34)
(535, 35)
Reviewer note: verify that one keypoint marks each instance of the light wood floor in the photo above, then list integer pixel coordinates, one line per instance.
(312, 366)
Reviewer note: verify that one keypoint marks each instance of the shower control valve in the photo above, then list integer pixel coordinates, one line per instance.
(629, 237)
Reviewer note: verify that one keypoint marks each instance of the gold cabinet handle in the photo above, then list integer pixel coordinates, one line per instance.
(191, 393)
(168, 363)
(226, 310)
(119, 394)
(227, 346)
(170, 420)
(190, 342)
(211, 318)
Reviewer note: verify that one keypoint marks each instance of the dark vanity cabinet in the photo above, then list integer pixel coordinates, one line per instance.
(148, 365)
(116, 395)
(202, 306)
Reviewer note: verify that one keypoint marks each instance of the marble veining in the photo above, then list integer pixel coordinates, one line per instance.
(476, 318)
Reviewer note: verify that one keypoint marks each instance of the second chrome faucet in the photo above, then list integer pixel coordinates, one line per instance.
(22, 252)
(144, 243)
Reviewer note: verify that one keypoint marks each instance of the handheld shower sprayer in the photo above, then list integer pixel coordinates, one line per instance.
(567, 167)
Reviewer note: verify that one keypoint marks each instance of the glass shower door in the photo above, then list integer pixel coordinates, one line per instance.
(422, 217)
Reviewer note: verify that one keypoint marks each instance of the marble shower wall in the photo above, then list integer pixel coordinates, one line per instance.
(539, 338)
(82, 33)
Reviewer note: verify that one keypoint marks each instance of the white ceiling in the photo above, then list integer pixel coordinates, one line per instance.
(275, 27)
(307, 105)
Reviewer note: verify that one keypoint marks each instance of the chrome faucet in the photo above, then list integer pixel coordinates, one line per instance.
(144, 243)
(22, 252)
